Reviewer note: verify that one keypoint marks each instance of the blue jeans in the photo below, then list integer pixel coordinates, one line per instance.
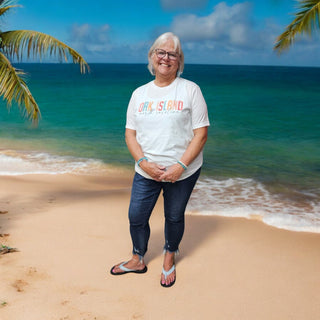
(144, 195)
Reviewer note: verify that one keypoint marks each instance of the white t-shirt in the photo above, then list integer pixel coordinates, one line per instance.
(164, 119)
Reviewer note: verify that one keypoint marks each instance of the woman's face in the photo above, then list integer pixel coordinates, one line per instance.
(166, 65)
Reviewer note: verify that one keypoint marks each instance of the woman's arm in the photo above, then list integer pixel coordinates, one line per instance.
(193, 150)
(152, 169)
(196, 145)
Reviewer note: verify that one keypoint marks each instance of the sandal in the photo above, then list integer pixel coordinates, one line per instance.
(127, 270)
(166, 274)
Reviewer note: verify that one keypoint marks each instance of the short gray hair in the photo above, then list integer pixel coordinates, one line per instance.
(177, 46)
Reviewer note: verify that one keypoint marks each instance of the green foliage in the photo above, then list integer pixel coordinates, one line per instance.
(307, 19)
(13, 87)
(18, 43)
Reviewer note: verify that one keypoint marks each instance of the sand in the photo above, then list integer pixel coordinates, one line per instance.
(70, 230)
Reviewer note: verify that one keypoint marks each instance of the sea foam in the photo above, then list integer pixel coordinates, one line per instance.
(13, 162)
(247, 198)
(233, 197)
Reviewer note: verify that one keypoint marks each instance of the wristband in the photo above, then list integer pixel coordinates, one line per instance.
(140, 160)
(183, 165)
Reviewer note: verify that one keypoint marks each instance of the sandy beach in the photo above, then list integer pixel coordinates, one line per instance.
(70, 230)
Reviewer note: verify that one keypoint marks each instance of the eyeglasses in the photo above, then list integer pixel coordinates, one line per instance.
(162, 53)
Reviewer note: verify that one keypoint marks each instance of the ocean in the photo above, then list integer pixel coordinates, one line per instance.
(261, 160)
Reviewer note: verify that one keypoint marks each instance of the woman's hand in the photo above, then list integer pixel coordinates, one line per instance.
(151, 168)
(193, 150)
(154, 170)
(172, 174)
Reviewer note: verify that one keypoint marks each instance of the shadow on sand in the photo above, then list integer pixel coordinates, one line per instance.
(197, 230)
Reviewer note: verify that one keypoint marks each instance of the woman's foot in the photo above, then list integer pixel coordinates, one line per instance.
(135, 265)
(168, 275)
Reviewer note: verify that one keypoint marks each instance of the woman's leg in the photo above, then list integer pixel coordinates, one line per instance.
(144, 195)
(176, 197)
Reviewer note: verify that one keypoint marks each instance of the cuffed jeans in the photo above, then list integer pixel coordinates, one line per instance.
(144, 195)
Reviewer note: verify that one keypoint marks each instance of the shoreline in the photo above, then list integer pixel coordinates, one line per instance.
(70, 230)
(215, 196)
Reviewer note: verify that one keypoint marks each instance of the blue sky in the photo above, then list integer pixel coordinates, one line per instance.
(211, 32)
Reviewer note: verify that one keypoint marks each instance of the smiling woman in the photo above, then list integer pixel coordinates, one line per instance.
(166, 130)
(166, 49)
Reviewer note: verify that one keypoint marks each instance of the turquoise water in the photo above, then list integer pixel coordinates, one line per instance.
(262, 157)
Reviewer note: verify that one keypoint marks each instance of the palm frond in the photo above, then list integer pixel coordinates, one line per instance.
(307, 19)
(5, 5)
(17, 43)
(14, 88)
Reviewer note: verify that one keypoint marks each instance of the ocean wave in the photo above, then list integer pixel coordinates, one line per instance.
(247, 198)
(233, 197)
(16, 162)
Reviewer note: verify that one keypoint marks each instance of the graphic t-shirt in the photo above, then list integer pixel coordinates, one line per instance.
(164, 119)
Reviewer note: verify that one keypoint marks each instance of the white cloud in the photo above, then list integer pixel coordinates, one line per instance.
(228, 35)
(97, 44)
(88, 39)
(226, 23)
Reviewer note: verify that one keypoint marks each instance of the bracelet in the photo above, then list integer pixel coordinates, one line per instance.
(183, 165)
(140, 160)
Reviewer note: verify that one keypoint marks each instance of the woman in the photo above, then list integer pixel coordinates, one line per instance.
(166, 131)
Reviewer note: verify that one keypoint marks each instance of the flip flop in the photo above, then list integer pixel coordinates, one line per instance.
(127, 270)
(166, 274)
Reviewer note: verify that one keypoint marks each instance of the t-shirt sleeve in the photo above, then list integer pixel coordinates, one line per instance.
(130, 124)
(200, 116)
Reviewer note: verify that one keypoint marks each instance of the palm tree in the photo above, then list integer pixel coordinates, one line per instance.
(15, 44)
(307, 19)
